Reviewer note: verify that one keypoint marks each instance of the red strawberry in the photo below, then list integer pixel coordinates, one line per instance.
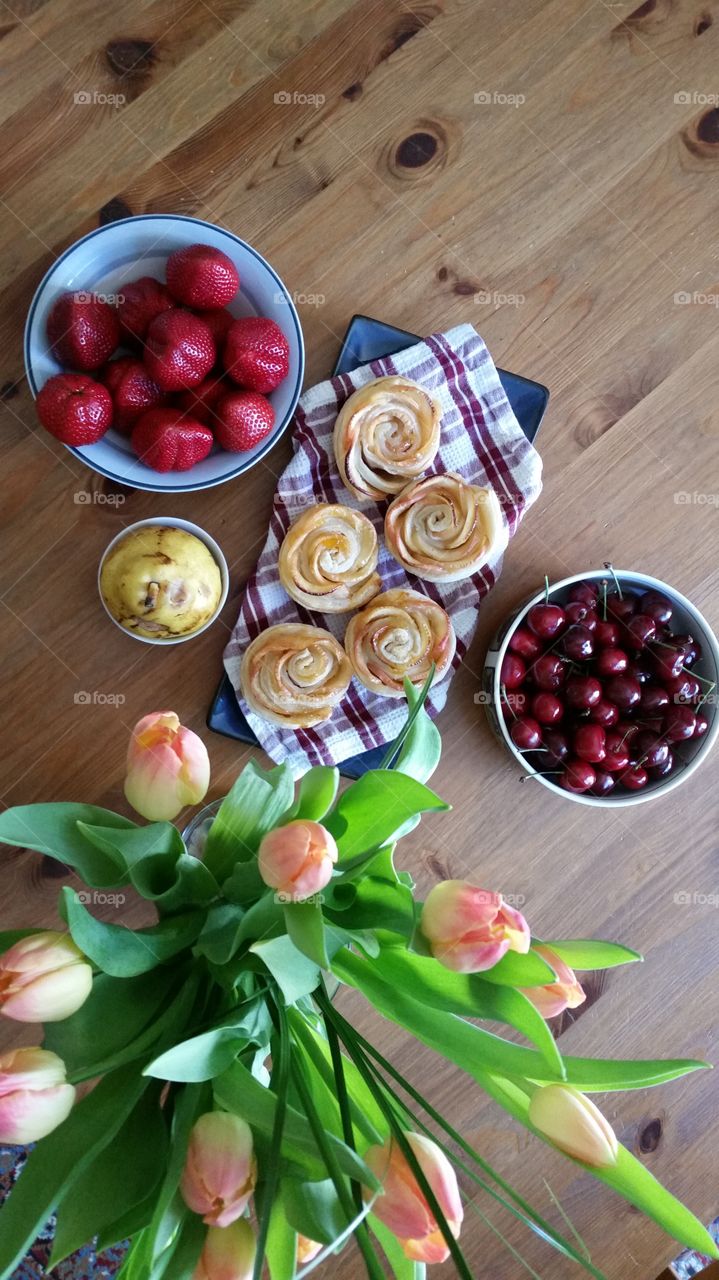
(201, 402)
(166, 440)
(219, 322)
(244, 418)
(83, 331)
(179, 351)
(202, 277)
(133, 391)
(257, 354)
(74, 408)
(142, 300)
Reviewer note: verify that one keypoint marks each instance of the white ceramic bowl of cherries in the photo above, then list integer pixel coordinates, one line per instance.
(604, 687)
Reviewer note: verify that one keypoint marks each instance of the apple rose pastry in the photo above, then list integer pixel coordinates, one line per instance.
(399, 633)
(444, 529)
(294, 675)
(328, 559)
(385, 435)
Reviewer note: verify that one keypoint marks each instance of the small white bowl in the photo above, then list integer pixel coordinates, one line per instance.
(104, 260)
(171, 522)
(687, 619)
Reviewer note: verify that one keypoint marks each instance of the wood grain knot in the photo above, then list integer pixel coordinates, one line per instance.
(130, 57)
(9, 390)
(416, 150)
(701, 136)
(703, 23)
(113, 211)
(650, 1135)
(407, 27)
(708, 127)
(422, 152)
(51, 869)
(352, 92)
(435, 864)
(644, 20)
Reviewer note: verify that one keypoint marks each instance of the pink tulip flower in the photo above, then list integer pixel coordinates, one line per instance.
(574, 1124)
(43, 978)
(470, 929)
(307, 1249)
(402, 1206)
(566, 993)
(220, 1168)
(34, 1095)
(297, 859)
(228, 1253)
(167, 767)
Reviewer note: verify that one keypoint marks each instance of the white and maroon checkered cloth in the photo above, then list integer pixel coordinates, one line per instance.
(481, 439)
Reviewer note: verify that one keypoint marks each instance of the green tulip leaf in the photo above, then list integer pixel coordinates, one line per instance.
(9, 937)
(123, 952)
(207, 1055)
(421, 750)
(219, 938)
(257, 802)
(587, 954)
(402, 1266)
(316, 794)
(305, 926)
(116, 1013)
(604, 1075)
(174, 883)
(132, 845)
(126, 1224)
(281, 1245)
(369, 812)
(53, 829)
(294, 973)
(369, 903)
(516, 970)
(313, 1209)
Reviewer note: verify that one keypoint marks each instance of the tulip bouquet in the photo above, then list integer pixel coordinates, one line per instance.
(231, 1120)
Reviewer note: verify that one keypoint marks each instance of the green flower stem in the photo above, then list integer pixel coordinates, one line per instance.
(280, 1081)
(372, 1262)
(524, 1211)
(342, 1094)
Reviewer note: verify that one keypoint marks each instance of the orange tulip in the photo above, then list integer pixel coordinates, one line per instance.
(34, 1095)
(565, 993)
(470, 929)
(43, 978)
(574, 1124)
(228, 1253)
(297, 859)
(401, 1205)
(307, 1250)
(220, 1168)
(167, 767)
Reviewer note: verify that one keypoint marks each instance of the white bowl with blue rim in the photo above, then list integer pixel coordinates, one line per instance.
(104, 260)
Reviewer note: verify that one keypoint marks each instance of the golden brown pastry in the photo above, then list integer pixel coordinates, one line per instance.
(386, 434)
(294, 675)
(444, 529)
(399, 633)
(328, 559)
(161, 582)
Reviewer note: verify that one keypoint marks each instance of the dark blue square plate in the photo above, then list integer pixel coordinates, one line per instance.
(367, 339)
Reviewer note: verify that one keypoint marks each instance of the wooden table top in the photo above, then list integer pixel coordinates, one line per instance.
(556, 157)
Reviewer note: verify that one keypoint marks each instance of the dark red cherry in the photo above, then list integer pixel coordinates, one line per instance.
(642, 629)
(628, 733)
(577, 776)
(701, 725)
(546, 708)
(604, 713)
(514, 704)
(590, 743)
(582, 692)
(525, 643)
(556, 744)
(662, 770)
(624, 691)
(606, 634)
(578, 643)
(649, 749)
(513, 671)
(576, 612)
(583, 593)
(639, 669)
(546, 620)
(654, 698)
(617, 754)
(685, 688)
(612, 662)
(548, 671)
(526, 734)
(603, 783)
(622, 606)
(692, 648)
(679, 723)
(667, 662)
(656, 606)
(635, 777)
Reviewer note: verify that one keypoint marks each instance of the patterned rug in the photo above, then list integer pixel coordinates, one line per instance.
(86, 1264)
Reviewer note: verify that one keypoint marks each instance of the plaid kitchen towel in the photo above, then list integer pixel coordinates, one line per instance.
(480, 439)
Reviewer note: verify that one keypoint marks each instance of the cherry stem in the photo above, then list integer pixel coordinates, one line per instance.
(540, 773)
(503, 692)
(610, 567)
(604, 585)
(546, 589)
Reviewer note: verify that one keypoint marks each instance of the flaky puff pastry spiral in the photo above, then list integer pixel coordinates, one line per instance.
(386, 434)
(444, 529)
(399, 633)
(294, 675)
(328, 559)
